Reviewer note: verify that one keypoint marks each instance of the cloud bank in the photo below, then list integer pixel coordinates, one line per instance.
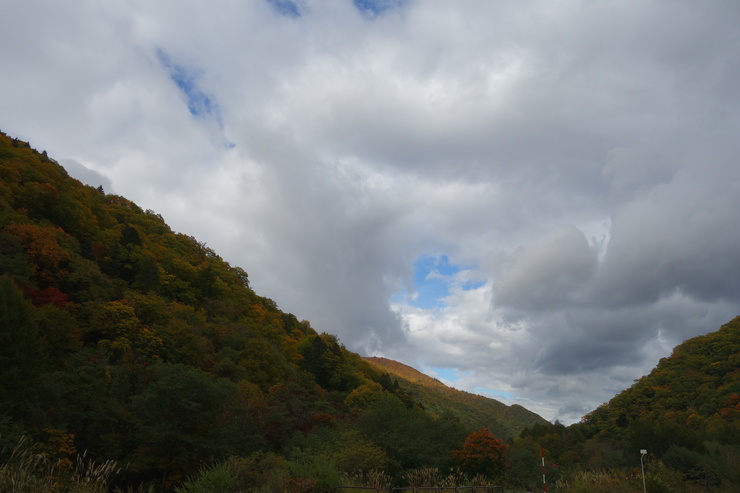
(538, 196)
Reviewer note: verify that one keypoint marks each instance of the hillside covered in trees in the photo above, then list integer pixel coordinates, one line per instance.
(128, 348)
(685, 413)
(473, 410)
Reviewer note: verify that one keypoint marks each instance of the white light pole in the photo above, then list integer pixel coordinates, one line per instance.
(643, 452)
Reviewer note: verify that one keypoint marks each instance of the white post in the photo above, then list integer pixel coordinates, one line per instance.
(642, 454)
(544, 483)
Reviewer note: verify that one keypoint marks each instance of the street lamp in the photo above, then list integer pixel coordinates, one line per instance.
(643, 452)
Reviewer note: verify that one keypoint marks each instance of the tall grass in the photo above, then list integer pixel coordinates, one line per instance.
(370, 479)
(92, 477)
(423, 477)
(20, 473)
(26, 471)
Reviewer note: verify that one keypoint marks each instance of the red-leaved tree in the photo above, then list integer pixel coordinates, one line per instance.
(483, 453)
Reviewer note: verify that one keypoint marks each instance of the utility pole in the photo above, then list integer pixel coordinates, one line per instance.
(643, 452)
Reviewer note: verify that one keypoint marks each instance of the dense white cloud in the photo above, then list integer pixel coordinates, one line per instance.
(573, 161)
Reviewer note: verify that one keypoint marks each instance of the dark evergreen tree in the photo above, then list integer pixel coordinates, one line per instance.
(21, 349)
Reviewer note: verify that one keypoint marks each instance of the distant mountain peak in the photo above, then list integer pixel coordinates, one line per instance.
(475, 411)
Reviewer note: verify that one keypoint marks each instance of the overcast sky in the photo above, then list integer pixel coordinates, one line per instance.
(531, 199)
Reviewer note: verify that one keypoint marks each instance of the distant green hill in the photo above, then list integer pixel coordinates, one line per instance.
(698, 387)
(474, 410)
(685, 414)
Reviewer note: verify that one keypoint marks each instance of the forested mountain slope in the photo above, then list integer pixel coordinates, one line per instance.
(698, 386)
(474, 410)
(685, 414)
(132, 343)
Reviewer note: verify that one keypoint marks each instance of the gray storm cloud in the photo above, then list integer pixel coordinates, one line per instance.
(548, 273)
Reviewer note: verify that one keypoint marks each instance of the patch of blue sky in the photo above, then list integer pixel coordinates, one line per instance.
(375, 8)
(287, 8)
(468, 279)
(186, 79)
(450, 375)
(434, 276)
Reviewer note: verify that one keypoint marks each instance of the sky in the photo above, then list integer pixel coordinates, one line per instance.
(535, 200)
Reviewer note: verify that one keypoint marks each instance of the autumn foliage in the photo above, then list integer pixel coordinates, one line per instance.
(146, 348)
(483, 453)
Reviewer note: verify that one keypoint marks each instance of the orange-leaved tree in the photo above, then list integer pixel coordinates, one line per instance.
(483, 453)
